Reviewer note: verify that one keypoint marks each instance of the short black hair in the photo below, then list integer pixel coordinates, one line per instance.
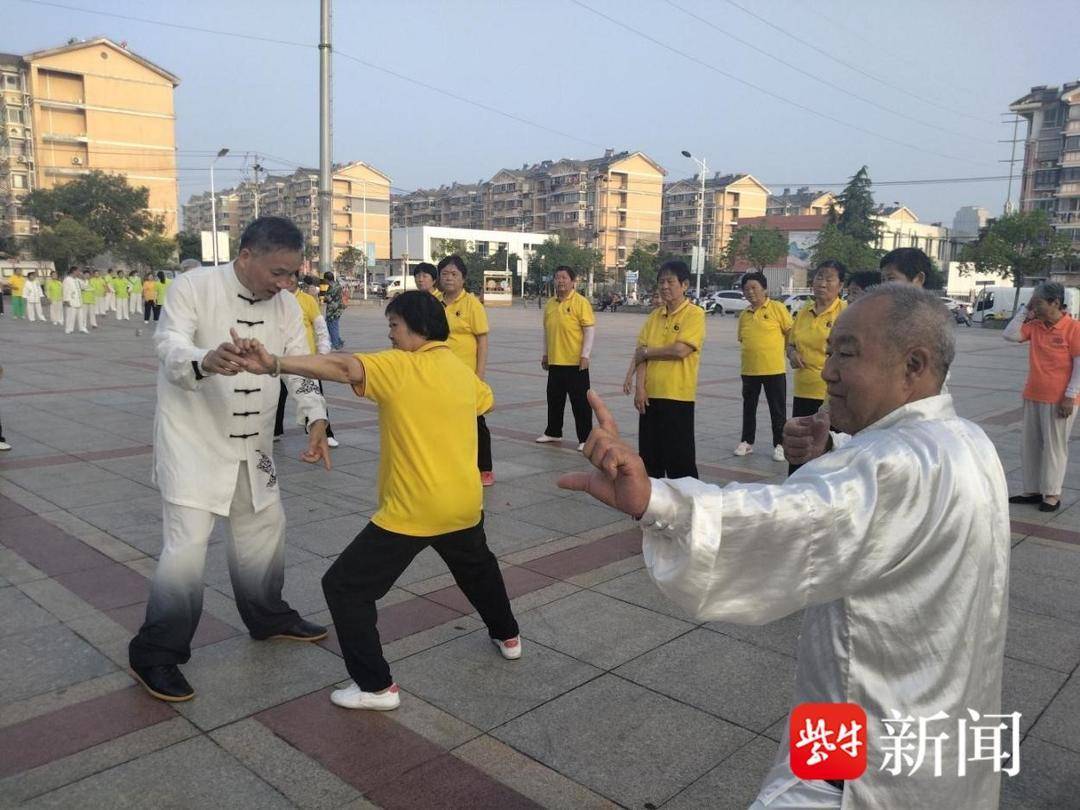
(755, 276)
(570, 271)
(426, 267)
(267, 234)
(328, 276)
(676, 268)
(909, 261)
(835, 264)
(865, 279)
(310, 281)
(422, 313)
(455, 261)
(160, 276)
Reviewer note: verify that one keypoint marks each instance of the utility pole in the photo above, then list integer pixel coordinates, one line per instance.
(701, 220)
(1012, 164)
(256, 169)
(326, 191)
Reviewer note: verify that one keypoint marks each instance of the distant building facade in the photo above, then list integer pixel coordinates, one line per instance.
(968, 221)
(801, 202)
(729, 198)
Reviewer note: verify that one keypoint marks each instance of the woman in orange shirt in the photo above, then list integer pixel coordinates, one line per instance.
(149, 297)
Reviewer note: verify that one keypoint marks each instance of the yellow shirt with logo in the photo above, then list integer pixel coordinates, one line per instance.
(808, 336)
(673, 379)
(762, 333)
(17, 283)
(309, 307)
(427, 482)
(564, 328)
(467, 320)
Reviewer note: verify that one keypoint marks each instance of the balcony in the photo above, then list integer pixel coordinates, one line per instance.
(1071, 158)
(1072, 127)
(1069, 190)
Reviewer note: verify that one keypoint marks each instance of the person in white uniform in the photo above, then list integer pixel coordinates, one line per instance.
(74, 316)
(895, 544)
(213, 450)
(33, 294)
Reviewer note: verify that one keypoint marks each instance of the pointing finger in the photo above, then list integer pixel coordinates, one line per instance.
(576, 481)
(603, 416)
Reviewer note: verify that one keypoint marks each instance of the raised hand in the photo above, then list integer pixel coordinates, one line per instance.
(806, 437)
(619, 478)
(253, 356)
(226, 359)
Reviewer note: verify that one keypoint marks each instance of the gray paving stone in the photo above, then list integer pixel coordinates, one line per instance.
(111, 491)
(239, 676)
(469, 679)
(507, 535)
(327, 538)
(1048, 596)
(638, 588)
(1043, 640)
(137, 513)
(734, 783)
(1047, 559)
(734, 680)
(19, 613)
(1049, 778)
(566, 521)
(623, 741)
(781, 636)
(46, 658)
(1060, 723)
(1028, 689)
(598, 629)
(193, 774)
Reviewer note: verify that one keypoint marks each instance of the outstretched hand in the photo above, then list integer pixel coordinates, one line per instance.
(619, 478)
(806, 437)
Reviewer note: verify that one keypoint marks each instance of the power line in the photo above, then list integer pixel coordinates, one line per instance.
(850, 66)
(767, 92)
(820, 80)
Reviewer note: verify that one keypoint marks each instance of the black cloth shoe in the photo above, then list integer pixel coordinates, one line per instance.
(165, 682)
(301, 630)
(1049, 507)
(1026, 498)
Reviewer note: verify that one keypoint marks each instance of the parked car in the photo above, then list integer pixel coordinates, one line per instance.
(397, 285)
(728, 301)
(795, 302)
(951, 303)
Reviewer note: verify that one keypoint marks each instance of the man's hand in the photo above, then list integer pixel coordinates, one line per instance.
(225, 359)
(641, 400)
(317, 448)
(628, 384)
(1065, 407)
(544, 363)
(795, 358)
(806, 437)
(583, 364)
(254, 357)
(619, 478)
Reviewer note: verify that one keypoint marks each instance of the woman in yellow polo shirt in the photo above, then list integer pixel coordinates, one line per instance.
(569, 326)
(763, 330)
(428, 490)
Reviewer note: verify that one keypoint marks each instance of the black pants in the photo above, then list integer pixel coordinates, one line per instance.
(775, 386)
(368, 568)
(150, 311)
(279, 419)
(483, 445)
(572, 381)
(802, 406)
(666, 439)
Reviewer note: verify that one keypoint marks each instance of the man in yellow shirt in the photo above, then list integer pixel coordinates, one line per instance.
(54, 291)
(569, 327)
(469, 341)
(18, 303)
(428, 491)
(667, 356)
(762, 331)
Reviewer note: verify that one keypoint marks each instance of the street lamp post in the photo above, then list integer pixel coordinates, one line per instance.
(213, 200)
(700, 220)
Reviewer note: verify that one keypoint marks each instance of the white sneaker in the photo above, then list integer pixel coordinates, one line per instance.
(581, 446)
(744, 449)
(5, 446)
(510, 649)
(278, 438)
(778, 453)
(353, 697)
(333, 442)
(543, 438)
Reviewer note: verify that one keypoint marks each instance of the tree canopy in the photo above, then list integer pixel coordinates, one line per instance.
(832, 243)
(1019, 245)
(758, 245)
(855, 215)
(66, 243)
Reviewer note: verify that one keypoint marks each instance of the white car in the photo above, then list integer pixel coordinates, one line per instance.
(729, 301)
(795, 302)
(952, 303)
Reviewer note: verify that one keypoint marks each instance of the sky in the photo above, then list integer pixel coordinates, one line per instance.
(915, 91)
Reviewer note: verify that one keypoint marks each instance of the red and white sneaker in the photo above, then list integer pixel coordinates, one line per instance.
(487, 478)
(510, 649)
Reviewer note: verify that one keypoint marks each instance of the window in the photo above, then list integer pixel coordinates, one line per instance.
(1046, 177)
(1070, 175)
(1052, 116)
(11, 81)
(18, 181)
(15, 115)
(1072, 142)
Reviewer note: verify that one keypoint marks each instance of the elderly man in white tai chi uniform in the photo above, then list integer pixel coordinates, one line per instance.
(895, 544)
(213, 450)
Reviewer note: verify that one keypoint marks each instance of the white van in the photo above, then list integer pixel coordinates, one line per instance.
(996, 303)
(396, 285)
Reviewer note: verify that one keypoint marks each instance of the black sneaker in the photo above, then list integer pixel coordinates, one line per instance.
(165, 682)
(301, 630)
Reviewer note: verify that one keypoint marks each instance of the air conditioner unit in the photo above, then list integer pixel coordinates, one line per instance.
(22, 159)
(76, 161)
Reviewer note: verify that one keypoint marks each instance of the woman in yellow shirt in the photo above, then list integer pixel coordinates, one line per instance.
(763, 330)
(428, 490)
(149, 297)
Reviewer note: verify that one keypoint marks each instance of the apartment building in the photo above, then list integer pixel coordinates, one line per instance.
(728, 199)
(88, 105)
(900, 227)
(609, 203)
(801, 202)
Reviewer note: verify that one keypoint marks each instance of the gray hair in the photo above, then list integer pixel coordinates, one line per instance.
(916, 317)
(1050, 291)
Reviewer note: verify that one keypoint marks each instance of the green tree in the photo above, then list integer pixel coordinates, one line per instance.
(554, 253)
(856, 215)
(66, 243)
(189, 245)
(760, 246)
(105, 204)
(9, 248)
(1019, 246)
(644, 260)
(348, 260)
(449, 247)
(151, 252)
(833, 244)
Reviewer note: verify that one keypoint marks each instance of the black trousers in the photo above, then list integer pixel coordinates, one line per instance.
(368, 568)
(279, 418)
(148, 311)
(775, 386)
(802, 406)
(483, 445)
(666, 439)
(563, 381)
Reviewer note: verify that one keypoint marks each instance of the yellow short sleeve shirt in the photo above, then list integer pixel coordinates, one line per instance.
(564, 328)
(17, 283)
(309, 307)
(762, 333)
(808, 336)
(673, 379)
(428, 483)
(467, 320)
